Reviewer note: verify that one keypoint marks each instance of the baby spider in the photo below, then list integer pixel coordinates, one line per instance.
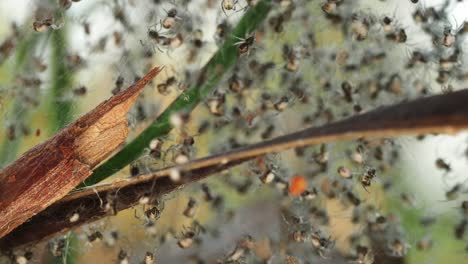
(228, 5)
(244, 44)
(157, 39)
(244, 246)
(398, 248)
(443, 165)
(191, 208)
(189, 235)
(448, 38)
(171, 19)
(321, 243)
(367, 177)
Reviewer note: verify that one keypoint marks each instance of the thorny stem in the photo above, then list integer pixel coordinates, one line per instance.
(209, 77)
(436, 114)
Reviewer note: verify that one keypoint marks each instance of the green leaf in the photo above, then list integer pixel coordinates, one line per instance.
(209, 78)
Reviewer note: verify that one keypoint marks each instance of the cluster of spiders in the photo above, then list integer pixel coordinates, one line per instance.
(311, 63)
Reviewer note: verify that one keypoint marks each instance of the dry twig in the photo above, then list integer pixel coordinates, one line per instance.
(50, 170)
(446, 113)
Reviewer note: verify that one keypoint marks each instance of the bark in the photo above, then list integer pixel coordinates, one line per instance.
(50, 170)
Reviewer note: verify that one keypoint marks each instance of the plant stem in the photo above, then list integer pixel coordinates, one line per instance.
(60, 110)
(445, 113)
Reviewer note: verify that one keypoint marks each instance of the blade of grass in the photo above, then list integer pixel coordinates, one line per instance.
(69, 253)
(9, 148)
(446, 113)
(61, 78)
(210, 76)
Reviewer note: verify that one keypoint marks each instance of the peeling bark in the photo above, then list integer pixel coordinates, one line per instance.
(50, 170)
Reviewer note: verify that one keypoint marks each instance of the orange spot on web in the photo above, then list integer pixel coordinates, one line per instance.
(297, 185)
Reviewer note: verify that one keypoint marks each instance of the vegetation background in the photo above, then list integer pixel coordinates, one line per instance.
(76, 56)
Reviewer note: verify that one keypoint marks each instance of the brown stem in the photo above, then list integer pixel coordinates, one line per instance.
(447, 113)
(50, 170)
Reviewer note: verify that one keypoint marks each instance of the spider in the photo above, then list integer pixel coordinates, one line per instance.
(244, 44)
